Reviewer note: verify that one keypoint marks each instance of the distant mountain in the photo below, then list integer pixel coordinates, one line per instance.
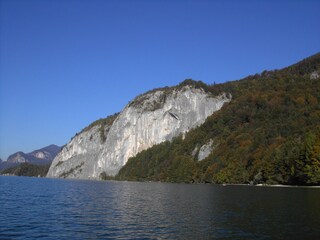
(46, 154)
(18, 157)
(41, 156)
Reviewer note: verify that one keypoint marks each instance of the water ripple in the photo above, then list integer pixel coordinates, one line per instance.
(33, 208)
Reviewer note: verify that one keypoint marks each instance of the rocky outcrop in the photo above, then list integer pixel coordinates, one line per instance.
(314, 75)
(150, 119)
(205, 150)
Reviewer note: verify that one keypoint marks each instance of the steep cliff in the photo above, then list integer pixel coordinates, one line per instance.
(159, 115)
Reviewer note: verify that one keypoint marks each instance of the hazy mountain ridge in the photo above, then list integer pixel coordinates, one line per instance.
(41, 156)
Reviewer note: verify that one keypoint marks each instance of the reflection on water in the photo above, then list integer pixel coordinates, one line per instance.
(73, 209)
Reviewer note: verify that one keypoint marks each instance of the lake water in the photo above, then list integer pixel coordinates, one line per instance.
(38, 208)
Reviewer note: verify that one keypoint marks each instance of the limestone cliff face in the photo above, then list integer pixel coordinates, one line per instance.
(150, 119)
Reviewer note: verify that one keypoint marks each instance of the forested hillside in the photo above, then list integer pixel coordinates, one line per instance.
(269, 133)
(27, 169)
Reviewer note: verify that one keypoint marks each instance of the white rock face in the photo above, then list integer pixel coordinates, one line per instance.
(150, 119)
(205, 150)
(18, 158)
(40, 155)
(314, 75)
(83, 150)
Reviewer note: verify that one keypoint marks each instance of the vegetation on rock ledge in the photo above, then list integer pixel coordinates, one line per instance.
(165, 91)
(72, 171)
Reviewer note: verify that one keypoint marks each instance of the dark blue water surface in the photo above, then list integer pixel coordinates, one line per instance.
(38, 208)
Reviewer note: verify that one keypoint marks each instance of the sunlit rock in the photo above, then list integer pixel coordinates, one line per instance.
(149, 119)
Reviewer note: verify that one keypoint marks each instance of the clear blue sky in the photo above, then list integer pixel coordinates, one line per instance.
(66, 63)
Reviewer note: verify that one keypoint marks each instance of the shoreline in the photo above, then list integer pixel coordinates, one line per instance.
(223, 184)
(269, 185)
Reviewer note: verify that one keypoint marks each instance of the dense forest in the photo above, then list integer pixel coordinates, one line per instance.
(27, 169)
(269, 133)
